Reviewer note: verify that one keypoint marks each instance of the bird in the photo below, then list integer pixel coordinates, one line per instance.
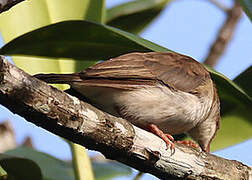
(165, 93)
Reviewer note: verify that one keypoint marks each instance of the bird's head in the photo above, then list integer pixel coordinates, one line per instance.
(206, 130)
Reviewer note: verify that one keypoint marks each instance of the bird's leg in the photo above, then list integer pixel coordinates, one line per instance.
(166, 137)
(188, 143)
(169, 139)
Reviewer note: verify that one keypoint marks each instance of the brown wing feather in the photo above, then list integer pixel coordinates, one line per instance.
(175, 70)
(123, 67)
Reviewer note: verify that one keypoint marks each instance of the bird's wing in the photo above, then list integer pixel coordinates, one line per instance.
(132, 70)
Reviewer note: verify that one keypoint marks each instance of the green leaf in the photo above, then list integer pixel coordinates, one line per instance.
(80, 40)
(3, 174)
(34, 15)
(96, 11)
(247, 7)
(229, 91)
(235, 119)
(136, 15)
(109, 170)
(235, 127)
(51, 167)
(244, 80)
(54, 169)
(20, 168)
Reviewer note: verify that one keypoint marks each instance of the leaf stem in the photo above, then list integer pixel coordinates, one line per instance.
(81, 162)
(139, 175)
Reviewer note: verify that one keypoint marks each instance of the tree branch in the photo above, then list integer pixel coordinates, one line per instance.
(5, 5)
(116, 138)
(224, 36)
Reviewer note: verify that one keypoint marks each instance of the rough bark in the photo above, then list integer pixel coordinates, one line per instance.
(5, 5)
(116, 138)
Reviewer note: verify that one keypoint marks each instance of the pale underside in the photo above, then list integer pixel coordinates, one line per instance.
(172, 111)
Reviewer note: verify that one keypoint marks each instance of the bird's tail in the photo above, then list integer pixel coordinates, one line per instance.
(59, 78)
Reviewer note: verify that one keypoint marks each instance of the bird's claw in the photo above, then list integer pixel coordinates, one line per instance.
(169, 140)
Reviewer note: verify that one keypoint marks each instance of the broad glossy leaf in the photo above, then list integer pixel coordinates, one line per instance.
(22, 18)
(235, 127)
(229, 91)
(236, 122)
(247, 7)
(20, 168)
(96, 11)
(244, 80)
(136, 15)
(55, 169)
(51, 167)
(80, 40)
(36, 14)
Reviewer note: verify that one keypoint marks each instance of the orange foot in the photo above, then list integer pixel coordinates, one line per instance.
(166, 137)
(189, 143)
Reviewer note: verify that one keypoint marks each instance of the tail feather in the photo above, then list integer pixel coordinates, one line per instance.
(59, 78)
